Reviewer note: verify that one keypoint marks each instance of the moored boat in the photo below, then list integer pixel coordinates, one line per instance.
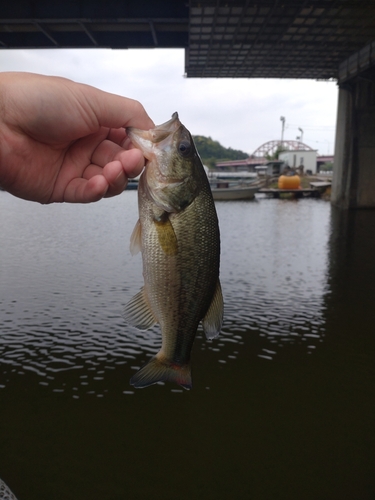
(235, 190)
(132, 184)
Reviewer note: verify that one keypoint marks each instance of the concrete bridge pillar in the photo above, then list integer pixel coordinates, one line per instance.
(353, 184)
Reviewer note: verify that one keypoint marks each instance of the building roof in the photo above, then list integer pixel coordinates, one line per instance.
(241, 163)
(298, 151)
(325, 158)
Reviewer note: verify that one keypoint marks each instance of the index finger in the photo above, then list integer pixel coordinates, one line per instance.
(115, 111)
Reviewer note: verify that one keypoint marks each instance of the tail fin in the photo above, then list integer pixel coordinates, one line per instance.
(162, 370)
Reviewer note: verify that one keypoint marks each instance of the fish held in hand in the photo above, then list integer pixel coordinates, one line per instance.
(178, 235)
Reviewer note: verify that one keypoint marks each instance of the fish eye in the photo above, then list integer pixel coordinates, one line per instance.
(184, 148)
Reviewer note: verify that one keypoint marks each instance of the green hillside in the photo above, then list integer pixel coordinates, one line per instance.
(212, 151)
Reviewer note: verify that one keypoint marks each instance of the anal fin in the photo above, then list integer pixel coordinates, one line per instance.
(213, 320)
(137, 312)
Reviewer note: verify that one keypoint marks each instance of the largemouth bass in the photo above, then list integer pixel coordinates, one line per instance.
(178, 235)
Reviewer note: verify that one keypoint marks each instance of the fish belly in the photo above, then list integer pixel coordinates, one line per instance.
(180, 286)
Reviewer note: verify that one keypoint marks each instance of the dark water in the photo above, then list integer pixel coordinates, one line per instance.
(283, 403)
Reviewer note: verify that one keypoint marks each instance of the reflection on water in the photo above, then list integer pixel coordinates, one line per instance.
(274, 272)
(284, 396)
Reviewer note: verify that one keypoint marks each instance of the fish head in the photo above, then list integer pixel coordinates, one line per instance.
(173, 165)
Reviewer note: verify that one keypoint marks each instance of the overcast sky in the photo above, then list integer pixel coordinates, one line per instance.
(239, 113)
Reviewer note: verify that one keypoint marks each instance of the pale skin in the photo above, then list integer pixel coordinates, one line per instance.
(62, 141)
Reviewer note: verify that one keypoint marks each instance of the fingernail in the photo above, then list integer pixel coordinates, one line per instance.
(121, 178)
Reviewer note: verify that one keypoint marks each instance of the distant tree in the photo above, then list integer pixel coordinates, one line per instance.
(212, 151)
(327, 167)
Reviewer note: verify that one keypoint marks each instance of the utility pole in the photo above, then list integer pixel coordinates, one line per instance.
(282, 118)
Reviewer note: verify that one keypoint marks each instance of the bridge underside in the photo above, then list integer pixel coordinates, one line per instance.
(317, 39)
(273, 39)
(232, 38)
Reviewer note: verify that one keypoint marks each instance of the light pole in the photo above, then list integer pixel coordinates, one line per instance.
(282, 118)
(301, 133)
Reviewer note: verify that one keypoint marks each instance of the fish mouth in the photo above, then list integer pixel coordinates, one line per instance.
(159, 137)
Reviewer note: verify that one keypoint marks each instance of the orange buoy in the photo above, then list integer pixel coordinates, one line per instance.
(289, 182)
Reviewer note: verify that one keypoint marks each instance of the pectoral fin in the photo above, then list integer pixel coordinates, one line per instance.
(166, 235)
(135, 239)
(137, 312)
(214, 317)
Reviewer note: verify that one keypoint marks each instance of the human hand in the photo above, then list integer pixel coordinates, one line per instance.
(65, 141)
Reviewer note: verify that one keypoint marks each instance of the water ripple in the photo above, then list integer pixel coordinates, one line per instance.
(63, 290)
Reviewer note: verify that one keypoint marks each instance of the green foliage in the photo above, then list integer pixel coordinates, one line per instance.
(327, 167)
(275, 155)
(212, 151)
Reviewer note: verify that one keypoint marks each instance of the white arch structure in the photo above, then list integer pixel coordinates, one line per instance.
(270, 147)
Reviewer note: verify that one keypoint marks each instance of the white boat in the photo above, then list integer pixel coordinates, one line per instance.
(233, 190)
(131, 185)
(224, 187)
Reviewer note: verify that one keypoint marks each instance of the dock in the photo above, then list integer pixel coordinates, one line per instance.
(320, 185)
(297, 193)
